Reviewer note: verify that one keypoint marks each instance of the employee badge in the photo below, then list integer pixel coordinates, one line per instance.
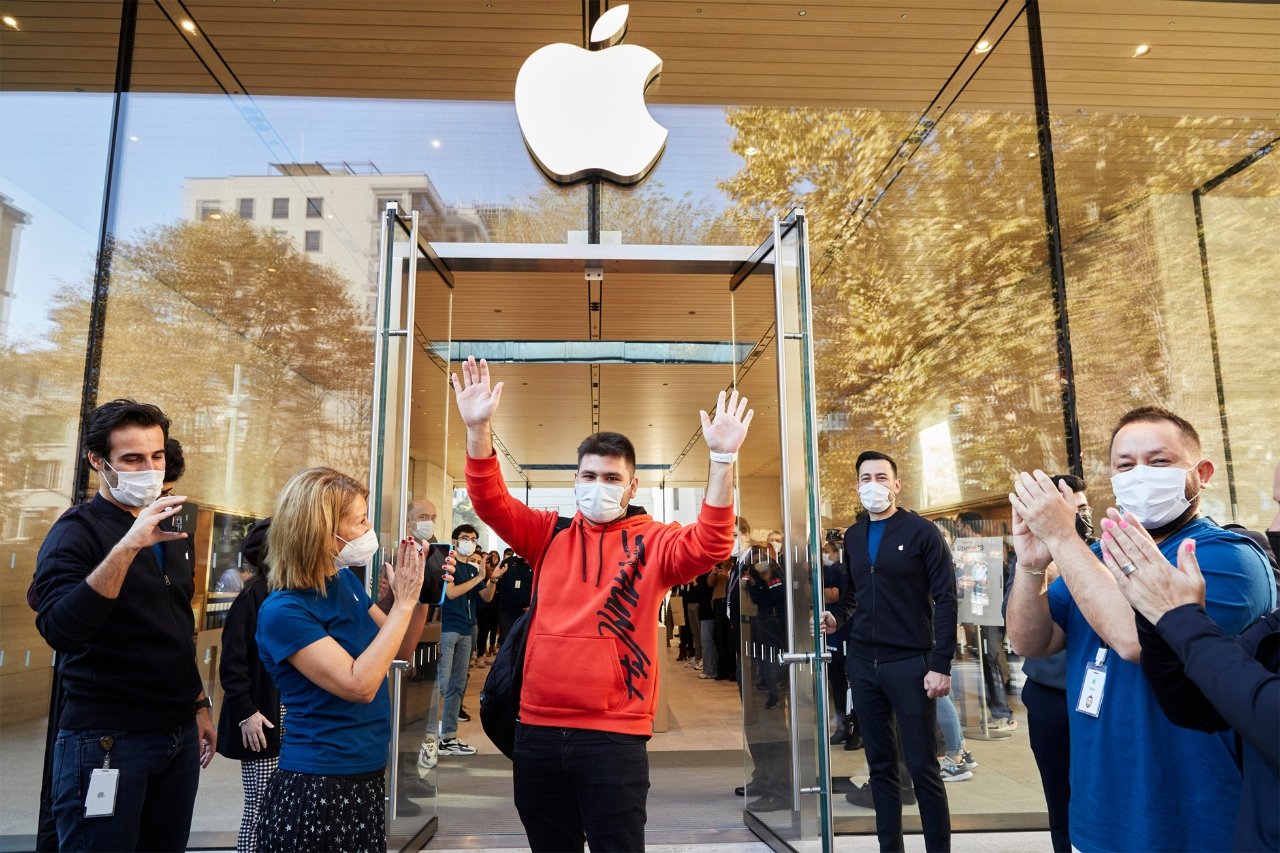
(1095, 682)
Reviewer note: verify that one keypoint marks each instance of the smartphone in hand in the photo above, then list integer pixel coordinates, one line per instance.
(433, 573)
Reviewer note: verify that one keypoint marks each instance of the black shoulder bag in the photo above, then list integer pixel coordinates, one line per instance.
(500, 696)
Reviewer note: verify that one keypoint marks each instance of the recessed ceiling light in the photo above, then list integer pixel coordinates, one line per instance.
(982, 46)
(435, 143)
(802, 13)
(215, 215)
(957, 226)
(11, 22)
(188, 25)
(1141, 50)
(273, 269)
(751, 151)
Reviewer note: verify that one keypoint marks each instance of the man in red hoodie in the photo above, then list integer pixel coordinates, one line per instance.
(591, 670)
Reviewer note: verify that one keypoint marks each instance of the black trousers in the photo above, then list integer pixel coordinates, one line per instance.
(726, 650)
(891, 705)
(576, 783)
(1047, 715)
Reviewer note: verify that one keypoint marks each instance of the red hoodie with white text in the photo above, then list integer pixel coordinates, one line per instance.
(591, 659)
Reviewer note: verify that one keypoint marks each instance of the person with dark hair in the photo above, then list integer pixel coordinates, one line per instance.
(901, 603)
(175, 464)
(249, 724)
(1044, 693)
(514, 588)
(470, 589)
(114, 592)
(1158, 474)
(590, 687)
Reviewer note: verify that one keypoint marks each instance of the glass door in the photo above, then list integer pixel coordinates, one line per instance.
(408, 391)
(783, 679)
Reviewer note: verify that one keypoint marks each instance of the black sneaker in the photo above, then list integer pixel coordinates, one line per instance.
(463, 715)
(861, 796)
(768, 803)
(853, 742)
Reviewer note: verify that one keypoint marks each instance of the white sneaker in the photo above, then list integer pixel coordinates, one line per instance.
(426, 757)
(953, 772)
(453, 746)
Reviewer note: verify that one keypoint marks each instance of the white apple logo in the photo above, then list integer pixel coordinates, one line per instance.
(582, 112)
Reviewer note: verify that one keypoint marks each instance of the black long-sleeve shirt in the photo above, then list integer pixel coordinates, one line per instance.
(128, 662)
(1210, 682)
(904, 603)
(246, 685)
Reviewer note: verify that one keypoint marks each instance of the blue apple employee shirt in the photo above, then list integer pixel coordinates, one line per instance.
(325, 735)
(1138, 782)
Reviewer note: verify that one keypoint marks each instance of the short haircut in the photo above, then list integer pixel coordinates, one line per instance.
(744, 526)
(608, 444)
(868, 455)
(1154, 415)
(969, 517)
(175, 464)
(464, 528)
(1074, 483)
(123, 412)
(300, 546)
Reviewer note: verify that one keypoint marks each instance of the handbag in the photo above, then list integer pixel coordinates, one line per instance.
(500, 696)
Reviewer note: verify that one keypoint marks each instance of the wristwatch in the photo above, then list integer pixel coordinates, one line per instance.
(205, 703)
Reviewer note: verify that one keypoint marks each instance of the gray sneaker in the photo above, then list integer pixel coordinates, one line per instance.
(952, 772)
(967, 759)
(453, 746)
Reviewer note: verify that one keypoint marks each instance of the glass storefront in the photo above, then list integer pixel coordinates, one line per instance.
(199, 228)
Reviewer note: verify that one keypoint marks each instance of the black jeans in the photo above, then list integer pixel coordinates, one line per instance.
(1047, 715)
(883, 694)
(993, 647)
(575, 782)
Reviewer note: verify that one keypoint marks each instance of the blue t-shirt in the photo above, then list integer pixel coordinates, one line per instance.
(325, 734)
(458, 615)
(875, 532)
(1138, 782)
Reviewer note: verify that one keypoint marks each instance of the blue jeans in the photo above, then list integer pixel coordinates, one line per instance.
(949, 722)
(155, 794)
(451, 681)
(571, 783)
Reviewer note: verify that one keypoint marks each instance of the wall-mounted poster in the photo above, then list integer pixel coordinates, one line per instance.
(979, 562)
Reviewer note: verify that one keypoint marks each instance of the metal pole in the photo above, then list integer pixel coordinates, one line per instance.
(393, 760)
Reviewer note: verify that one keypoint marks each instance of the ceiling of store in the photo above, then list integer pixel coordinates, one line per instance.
(845, 54)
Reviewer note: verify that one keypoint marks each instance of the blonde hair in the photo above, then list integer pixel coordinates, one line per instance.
(300, 541)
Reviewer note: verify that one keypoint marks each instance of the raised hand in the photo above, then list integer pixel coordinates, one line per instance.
(476, 400)
(405, 579)
(1044, 507)
(1144, 576)
(725, 431)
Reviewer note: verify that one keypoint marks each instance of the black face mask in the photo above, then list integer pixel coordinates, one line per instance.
(1084, 527)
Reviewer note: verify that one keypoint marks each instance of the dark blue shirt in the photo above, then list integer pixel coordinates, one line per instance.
(325, 734)
(875, 532)
(458, 615)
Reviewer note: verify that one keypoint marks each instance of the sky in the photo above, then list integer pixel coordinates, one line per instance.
(53, 157)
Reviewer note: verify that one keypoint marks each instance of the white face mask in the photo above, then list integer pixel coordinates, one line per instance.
(135, 488)
(599, 502)
(737, 546)
(466, 547)
(359, 551)
(875, 497)
(1155, 496)
(828, 560)
(424, 530)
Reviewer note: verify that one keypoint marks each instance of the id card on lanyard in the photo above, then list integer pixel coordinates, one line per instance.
(1095, 683)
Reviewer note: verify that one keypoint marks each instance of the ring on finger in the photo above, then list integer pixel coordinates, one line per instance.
(1128, 569)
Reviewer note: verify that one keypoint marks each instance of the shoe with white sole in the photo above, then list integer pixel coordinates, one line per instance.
(426, 757)
(453, 746)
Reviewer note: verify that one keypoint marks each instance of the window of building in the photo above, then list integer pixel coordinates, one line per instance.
(279, 208)
(311, 241)
(315, 207)
(42, 474)
(208, 210)
(246, 208)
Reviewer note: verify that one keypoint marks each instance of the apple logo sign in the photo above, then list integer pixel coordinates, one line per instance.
(582, 112)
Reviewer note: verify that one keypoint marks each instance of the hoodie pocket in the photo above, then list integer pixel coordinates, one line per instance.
(565, 673)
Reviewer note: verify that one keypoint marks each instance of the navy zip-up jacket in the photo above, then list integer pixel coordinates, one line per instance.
(127, 663)
(1210, 682)
(903, 604)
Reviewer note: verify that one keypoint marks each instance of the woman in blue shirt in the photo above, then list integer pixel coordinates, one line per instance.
(327, 646)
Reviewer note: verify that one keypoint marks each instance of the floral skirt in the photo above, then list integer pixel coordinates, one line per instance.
(301, 812)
